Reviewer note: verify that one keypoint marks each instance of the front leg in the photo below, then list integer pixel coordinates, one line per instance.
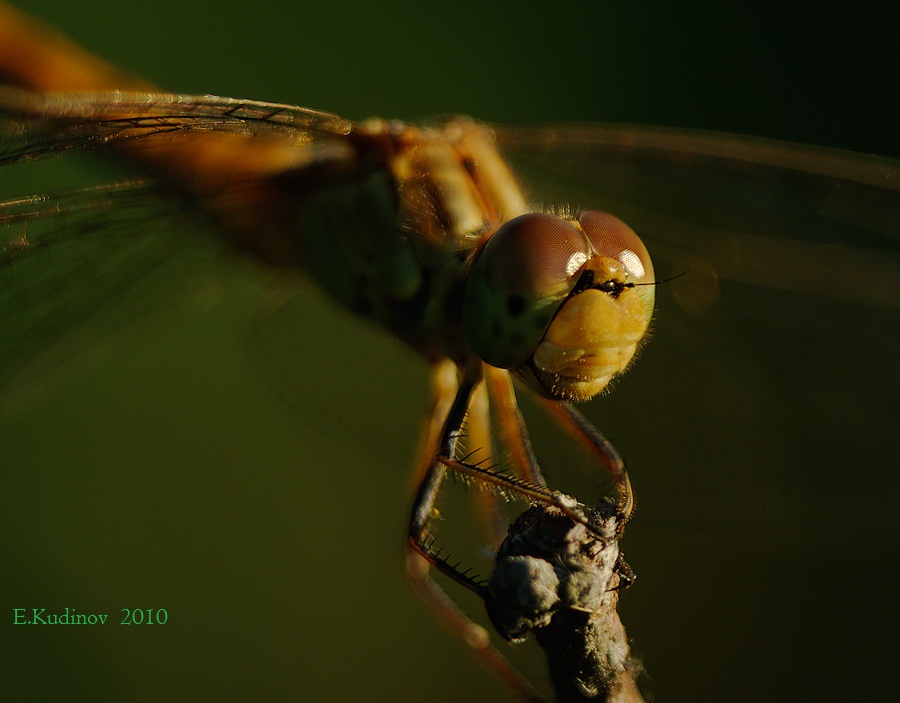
(418, 533)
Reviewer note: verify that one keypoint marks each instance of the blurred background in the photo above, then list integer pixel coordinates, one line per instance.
(198, 447)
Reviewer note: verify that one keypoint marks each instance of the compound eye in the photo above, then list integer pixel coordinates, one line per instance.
(534, 255)
(612, 238)
(518, 280)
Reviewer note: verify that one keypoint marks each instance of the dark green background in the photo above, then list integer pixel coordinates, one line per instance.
(153, 463)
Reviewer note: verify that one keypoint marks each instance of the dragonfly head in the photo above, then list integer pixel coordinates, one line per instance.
(563, 303)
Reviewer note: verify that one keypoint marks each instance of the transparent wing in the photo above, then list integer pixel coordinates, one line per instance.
(83, 256)
(73, 256)
(768, 395)
(731, 202)
(78, 265)
(34, 125)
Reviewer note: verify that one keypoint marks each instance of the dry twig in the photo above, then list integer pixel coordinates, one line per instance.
(562, 580)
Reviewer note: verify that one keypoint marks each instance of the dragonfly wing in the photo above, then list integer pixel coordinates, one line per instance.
(34, 125)
(64, 258)
(754, 210)
(122, 228)
(76, 265)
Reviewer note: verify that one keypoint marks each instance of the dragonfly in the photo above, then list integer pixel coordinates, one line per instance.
(678, 194)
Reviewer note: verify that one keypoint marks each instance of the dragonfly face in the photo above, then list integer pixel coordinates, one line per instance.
(564, 303)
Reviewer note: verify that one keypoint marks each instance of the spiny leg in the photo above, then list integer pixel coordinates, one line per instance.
(421, 552)
(514, 434)
(420, 557)
(513, 486)
(598, 446)
(444, 384)
(487, 503)
(426, 494)
(511, 425)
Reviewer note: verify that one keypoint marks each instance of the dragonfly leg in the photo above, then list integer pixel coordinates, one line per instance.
(512, 425)
(445, 458)
(430, 483)
(515, 437)
(487, 503)
(422, 553)
(449, 400)
(444, 384)
(473, 635)
(598, 446)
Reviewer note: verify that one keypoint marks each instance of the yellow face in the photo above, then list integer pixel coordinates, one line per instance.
(562, 303)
